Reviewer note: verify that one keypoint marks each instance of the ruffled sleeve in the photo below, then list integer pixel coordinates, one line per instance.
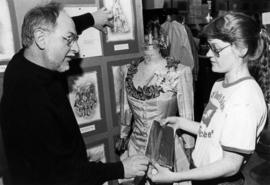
(185, 100)
(125, 111)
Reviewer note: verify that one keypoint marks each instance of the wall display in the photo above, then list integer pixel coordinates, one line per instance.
(123, 20)
(98, 152)
(121, 38)
(116, 80)
(265, 18)
(3, 68)
(86, 99)
(6, 36)
(90, 39)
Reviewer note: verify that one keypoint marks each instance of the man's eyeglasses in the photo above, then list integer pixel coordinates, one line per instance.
(215, 50)
(71, 40)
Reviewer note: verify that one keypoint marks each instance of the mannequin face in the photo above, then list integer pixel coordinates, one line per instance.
(151, 52)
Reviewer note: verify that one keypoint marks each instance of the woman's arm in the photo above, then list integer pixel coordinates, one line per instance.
(182, 123)
(228, 166)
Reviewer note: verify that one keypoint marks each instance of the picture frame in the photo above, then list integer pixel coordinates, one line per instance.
(98, 151)
(123, 37)
(89, 38)
(115, 86)
(8, 38)
(77, 1)
(87, 100)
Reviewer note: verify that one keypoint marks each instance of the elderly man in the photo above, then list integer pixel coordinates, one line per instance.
(41, 136)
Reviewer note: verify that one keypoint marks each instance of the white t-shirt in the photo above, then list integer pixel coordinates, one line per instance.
(232, 121)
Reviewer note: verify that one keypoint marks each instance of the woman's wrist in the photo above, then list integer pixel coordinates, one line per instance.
(179, 122)
(176, 177)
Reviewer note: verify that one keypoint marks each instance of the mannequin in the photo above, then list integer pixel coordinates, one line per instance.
(154, 87)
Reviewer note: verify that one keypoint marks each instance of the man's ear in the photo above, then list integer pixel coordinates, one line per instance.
(40, 38)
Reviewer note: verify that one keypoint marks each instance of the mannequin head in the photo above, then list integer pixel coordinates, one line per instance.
(151, 47)
(156, 42)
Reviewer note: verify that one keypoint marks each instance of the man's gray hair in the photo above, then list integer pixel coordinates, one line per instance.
(39, 17)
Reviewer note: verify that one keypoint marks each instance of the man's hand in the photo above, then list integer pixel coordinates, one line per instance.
(102, 19)
(135, 165)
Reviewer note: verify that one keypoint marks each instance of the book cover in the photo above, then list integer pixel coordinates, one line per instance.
(160, 147)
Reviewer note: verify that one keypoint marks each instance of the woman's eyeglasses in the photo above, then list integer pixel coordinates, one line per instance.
(216, 51)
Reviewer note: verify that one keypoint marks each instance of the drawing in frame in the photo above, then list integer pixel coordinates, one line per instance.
(116, 80)
(98, 151)
(7, 46)
(87, 101)
(90, 37)
(122, 37)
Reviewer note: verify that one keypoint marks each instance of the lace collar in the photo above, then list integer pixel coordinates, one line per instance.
(147, 91)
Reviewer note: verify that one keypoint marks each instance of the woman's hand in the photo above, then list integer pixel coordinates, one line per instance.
(181, 123)
(159, 174)
(171, 121)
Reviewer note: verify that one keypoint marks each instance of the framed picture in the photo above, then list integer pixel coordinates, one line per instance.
(115, 72)
(98, 151)
(7, 48)
(87, 101)
(90, 39)
(122, 37)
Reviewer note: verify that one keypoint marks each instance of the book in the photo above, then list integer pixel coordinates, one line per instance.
(160, 147)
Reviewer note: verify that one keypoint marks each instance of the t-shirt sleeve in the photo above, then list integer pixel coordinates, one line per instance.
(239, 131)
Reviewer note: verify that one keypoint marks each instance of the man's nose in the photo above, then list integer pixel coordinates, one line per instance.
(75, 47)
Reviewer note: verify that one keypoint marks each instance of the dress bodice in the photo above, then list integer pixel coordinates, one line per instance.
(151, 102)
(168, 93)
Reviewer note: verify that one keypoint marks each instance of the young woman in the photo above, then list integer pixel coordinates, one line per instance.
(236, 112)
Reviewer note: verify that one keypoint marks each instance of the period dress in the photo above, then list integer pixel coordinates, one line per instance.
(169, 92)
